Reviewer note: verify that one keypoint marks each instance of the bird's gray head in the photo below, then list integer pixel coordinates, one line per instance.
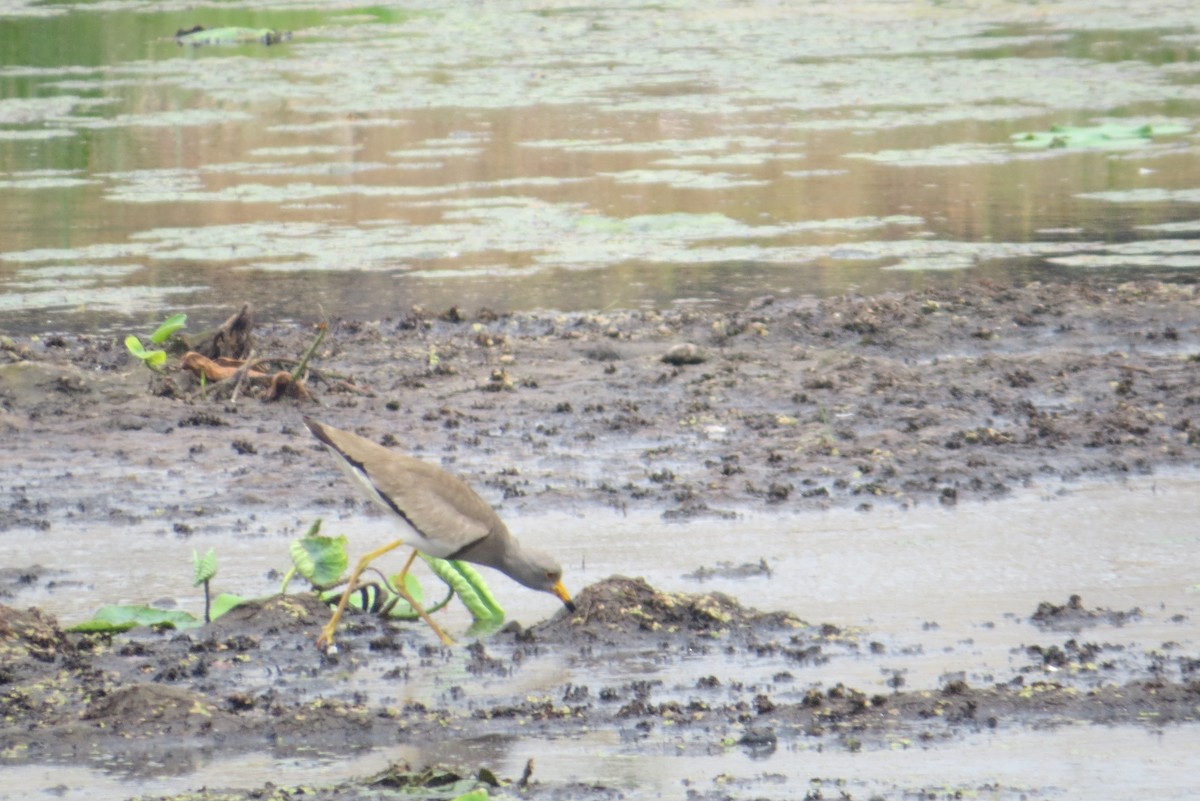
(539, 571)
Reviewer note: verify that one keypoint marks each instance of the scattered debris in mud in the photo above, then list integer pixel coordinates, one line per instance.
(936, 397)
(729, 570)
(801, 404)
(253, 680)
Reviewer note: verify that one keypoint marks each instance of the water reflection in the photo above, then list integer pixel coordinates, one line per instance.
(523, 158)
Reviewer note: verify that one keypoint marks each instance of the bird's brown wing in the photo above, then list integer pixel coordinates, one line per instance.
(444, 514)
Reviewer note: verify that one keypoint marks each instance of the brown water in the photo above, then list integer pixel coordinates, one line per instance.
(528, 154)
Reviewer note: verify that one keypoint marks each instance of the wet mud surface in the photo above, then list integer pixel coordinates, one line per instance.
(252, 681)
(931, 398)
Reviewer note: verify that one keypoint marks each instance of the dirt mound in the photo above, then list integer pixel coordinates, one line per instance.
(619, 608)
(144, 710)
(298, 614)
(44, 674)
(29, 633)
(1072, 616)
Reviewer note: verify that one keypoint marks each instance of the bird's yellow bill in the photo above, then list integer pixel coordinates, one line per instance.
(564, 596)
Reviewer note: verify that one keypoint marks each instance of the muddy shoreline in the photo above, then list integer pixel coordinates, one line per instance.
(938, 397)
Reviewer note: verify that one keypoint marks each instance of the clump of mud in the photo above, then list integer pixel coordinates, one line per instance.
(254, 681)
(1072, 616)
(28, 638)
(619, 608)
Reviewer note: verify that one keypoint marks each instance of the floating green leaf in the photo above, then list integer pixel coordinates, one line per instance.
(169, 327)
(203, 567)
(114, 618)
(321, 560)
(232, 36)
(1109, 136)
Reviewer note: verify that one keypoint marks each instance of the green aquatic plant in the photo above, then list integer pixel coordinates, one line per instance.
(466, 582)
(114, 618)
(1109, 136)
(322, 561)
(200, 36)
(204, 569)
(435, 782)
(155, 359)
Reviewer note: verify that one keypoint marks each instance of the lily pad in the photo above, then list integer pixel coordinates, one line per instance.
(117, 618)
(1109, 136)
(201, 36)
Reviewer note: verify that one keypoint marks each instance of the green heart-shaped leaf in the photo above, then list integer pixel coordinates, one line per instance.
(203, 567)
(321, 560)
(113, 618)
(154, 359)
(169, 326)
(223, 603)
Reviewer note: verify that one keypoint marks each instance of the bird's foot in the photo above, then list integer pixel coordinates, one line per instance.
(325, 640)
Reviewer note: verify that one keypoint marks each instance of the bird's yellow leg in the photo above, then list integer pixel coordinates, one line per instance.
(402, 590)
(326, 638)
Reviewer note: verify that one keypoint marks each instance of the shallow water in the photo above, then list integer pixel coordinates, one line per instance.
(1078, 764)
(570, 156)
(946, 590)
(524, 154)
(938, 576)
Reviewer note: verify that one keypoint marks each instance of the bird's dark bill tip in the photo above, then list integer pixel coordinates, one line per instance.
(561, 593)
